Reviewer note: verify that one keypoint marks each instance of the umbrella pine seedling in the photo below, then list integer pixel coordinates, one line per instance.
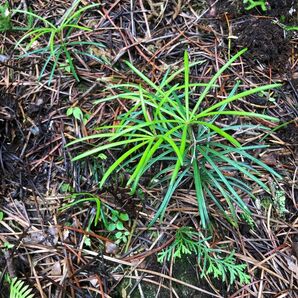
(168, 127)
(60, 49)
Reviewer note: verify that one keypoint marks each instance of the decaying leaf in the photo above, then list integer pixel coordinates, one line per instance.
(293, 266)
(111, 248)
(56, 269)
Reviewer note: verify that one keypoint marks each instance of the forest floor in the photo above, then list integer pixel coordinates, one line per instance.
(45, 104)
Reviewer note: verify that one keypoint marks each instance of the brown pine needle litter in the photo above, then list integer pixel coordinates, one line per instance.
(61, 235)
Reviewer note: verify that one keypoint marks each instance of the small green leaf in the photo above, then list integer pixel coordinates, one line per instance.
(102, 156)
(69, 111)
(7, 245)
(87, 241)
(114, 218)
(65, 187)
(120, 225)
(124, 216)
(77, 113)
(115, 213)
(111, 227)
(118, 235)
(86, 118)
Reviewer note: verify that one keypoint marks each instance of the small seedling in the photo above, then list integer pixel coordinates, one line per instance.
(7, 245)
(112, 220)
(121, 236)
(5, 18)
(59, 45)
(78, 114)
(253, 4)
(79, 198)
(117, 225)
(86, 239)
(285, 27)
(117, 220)
(66, 188)
(6, 23)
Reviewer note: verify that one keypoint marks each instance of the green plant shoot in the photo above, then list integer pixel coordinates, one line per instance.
(59, 46)
(167, 126)
(253, 4)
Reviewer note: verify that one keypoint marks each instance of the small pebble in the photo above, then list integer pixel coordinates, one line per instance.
(3, 58)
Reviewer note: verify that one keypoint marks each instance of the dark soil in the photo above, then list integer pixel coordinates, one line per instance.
(261, 31)
(289, 134)
(285, 11)
(265, 41)
(10, 134)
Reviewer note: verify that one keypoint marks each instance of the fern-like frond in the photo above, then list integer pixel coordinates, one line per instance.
(211, 261)
(18, 289)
